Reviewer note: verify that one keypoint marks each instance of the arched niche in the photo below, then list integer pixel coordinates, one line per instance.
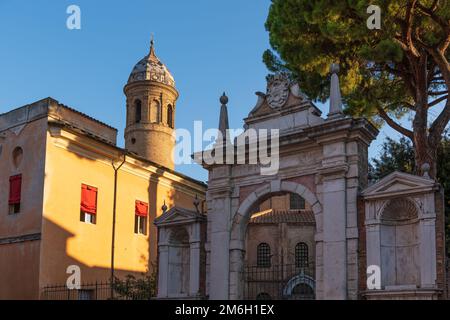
(400, 244)
(179, 262)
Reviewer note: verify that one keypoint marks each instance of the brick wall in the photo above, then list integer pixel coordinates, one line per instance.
(440, 244)
(362, 267)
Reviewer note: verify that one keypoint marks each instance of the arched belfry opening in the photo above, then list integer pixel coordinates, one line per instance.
(137, 111)
(170, 121)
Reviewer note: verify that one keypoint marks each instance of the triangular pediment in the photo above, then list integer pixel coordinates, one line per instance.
(283, 97)
(177, 215)
(399, 183)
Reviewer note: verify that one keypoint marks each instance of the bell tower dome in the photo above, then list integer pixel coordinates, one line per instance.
(151, 100)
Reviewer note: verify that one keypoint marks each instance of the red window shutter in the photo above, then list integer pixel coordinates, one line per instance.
(141, 208)
(15, 189)
(88, 199)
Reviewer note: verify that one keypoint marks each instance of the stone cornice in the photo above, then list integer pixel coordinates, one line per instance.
(150, 84)
(332, 172)
(21, 238)
(345, 128)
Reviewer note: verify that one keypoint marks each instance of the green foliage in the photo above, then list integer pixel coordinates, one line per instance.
(132, 288)
(308, 35)
(395, 155)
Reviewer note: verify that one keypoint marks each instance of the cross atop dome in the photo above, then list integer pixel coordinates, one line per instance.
(152, 46)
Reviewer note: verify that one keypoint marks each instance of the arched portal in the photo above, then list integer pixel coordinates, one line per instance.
(242, 218)
(300, 287)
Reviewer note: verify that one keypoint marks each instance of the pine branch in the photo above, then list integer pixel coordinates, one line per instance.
(394, 125)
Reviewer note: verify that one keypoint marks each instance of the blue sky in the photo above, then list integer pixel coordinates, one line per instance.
(209, 46)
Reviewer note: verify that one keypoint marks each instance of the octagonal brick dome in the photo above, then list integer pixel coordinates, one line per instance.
(152, 69)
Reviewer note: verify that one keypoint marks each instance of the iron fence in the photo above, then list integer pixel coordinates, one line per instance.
(94, 291)
(279, 282)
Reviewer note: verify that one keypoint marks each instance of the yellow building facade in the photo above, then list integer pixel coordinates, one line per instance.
(55, 150)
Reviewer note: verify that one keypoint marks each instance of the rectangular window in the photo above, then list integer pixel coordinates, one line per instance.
(15, 191)
(140, 217)
(88, 207)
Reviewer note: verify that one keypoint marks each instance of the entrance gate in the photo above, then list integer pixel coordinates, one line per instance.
(279, 282)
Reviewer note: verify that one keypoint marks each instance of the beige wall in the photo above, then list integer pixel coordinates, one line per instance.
(38, 244)
(72, 160)
(19, 255)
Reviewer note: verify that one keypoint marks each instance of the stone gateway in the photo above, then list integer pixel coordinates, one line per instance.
(310, 230)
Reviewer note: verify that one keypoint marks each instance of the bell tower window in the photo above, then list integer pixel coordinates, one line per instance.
(138, 111)
(170, 116)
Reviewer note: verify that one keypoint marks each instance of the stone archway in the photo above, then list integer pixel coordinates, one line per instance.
(241, 219)
(296, 281)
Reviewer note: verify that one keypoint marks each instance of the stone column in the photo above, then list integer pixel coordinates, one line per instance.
(220, 245)
(427, 249)
(194, 269)
(357, 169)
(194, 259)
(237, 257)
(373, 245)
(163, 269)
(334, 236)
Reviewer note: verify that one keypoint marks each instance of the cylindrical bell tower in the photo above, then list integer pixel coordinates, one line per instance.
(151, 104)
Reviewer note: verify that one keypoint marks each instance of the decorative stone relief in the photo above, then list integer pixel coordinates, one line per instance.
(399, 209)
(277, 90)
(309, 158)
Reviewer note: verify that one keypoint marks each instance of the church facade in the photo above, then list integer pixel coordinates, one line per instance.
(71, 198)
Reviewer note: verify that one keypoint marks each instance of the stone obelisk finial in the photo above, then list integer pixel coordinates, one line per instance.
(223, 120)
(335, 94)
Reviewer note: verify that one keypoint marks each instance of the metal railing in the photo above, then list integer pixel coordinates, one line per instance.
(279, 282)
(94, 291)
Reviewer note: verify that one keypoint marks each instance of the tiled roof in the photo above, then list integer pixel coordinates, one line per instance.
(284, 216)
(81, 113)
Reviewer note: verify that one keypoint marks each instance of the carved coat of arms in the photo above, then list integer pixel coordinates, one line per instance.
(277, 90)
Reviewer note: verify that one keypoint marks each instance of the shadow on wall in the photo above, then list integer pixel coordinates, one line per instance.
(62, 248)
(55, 259)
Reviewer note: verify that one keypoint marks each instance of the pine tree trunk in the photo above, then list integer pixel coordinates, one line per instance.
(425, 152)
